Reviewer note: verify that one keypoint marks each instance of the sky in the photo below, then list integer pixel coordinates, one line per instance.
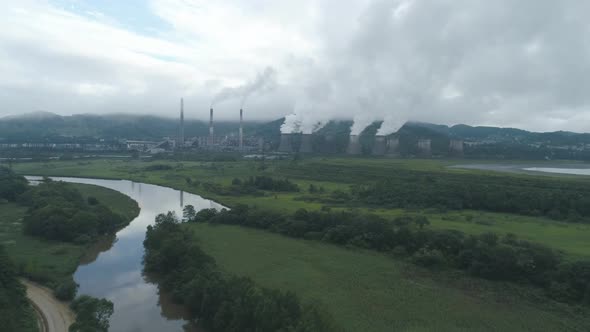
(523, 64)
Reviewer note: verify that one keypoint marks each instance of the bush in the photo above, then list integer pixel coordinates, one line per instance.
(66, 291)
(428, 258)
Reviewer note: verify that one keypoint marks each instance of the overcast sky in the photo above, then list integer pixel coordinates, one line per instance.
(519, 63)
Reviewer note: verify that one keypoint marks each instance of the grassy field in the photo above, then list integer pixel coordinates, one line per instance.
(366, 291)
(52, 261)
(332, 174)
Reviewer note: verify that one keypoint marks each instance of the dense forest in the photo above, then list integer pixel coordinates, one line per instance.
(59, 212)
(16, 314)
(487, 255)
(216, 300)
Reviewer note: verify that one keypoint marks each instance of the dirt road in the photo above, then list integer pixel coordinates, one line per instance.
(54, 316)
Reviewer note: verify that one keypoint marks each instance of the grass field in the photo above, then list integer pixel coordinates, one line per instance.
(51, 261)
(332, 174)
(366, 291)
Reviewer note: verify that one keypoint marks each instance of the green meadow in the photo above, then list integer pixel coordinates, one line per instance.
(368, 291)
(331, 174)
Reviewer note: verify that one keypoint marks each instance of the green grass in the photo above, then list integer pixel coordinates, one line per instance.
(332, 174)
(50, 261)
(367, 291)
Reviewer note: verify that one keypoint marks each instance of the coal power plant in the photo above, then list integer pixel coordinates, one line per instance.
(354, 145)
(380, 146)
(219, 143)
(286, 144)
(306, 144)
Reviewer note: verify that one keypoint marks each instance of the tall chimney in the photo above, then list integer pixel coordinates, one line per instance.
(241, 129)
(211, 126)
(181, 136)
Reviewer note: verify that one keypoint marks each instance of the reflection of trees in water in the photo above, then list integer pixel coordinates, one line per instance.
(104, 243)
(169, 309)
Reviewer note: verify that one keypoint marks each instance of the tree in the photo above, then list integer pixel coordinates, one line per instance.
(92, 314)
(421, 221)
(189, 213)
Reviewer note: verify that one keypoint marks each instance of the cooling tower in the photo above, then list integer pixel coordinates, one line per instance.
(211, 133)
(393, 146)
(380, 146)
(456, 147)
(354, 146)
(425, 147)
(306, 146)
(285, 145)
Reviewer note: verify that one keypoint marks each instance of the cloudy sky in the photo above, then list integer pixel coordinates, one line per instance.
(522, 63)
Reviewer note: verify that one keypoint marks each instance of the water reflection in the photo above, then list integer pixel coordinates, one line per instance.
(113, 268)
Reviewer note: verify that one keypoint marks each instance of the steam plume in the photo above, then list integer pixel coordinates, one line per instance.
(264, 81)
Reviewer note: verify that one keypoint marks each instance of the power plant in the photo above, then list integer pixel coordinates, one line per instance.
(354, 145)
(306, 145)
(456, 147)
(286, 144)
(393, 146)
(211, 142)
(181, 134)
(380, 146)
(425, 147)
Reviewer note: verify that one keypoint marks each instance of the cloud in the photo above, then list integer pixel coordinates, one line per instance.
(501, 62)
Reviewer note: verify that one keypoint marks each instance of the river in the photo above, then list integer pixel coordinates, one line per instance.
(113, 268)
(564, 169)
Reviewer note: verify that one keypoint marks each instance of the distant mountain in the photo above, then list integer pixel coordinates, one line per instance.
(45, 126)
(37, 115)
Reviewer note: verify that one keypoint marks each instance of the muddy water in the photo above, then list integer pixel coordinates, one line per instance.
(113, 269)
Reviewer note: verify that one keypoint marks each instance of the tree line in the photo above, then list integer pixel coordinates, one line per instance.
(16, 314)
(487, 255)
(216, 300)
(559, 200)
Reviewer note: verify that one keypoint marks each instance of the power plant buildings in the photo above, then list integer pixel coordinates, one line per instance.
(211, 142)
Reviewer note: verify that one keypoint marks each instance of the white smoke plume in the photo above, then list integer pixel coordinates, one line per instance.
(390, 125)
(291, 124)
(264, 81)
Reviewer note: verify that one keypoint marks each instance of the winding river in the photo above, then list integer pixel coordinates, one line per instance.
(113, 268)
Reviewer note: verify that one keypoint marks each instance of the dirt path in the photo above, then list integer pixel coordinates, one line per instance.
(54, 315)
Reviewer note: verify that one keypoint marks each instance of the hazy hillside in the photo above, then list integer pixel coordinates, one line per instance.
(42, 126)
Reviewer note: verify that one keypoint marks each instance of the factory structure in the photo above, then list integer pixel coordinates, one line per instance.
(218, 143)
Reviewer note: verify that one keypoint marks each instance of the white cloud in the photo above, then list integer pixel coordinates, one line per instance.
(501, 62)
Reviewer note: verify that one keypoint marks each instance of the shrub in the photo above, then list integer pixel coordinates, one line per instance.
(66, 291)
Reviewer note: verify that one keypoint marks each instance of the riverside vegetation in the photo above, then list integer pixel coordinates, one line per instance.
(420, 227)
(45, 230)
(216, 300)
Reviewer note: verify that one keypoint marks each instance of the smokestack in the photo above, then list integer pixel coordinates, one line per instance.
(380, 146)
(425, 147)
(285, 145)
(211, 126)
(241, 129)
(306, 146)
(393, 146)
(354, 146)
(181, 136)
(456, 147)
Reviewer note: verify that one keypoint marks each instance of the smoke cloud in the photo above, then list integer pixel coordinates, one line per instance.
(264, 82)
